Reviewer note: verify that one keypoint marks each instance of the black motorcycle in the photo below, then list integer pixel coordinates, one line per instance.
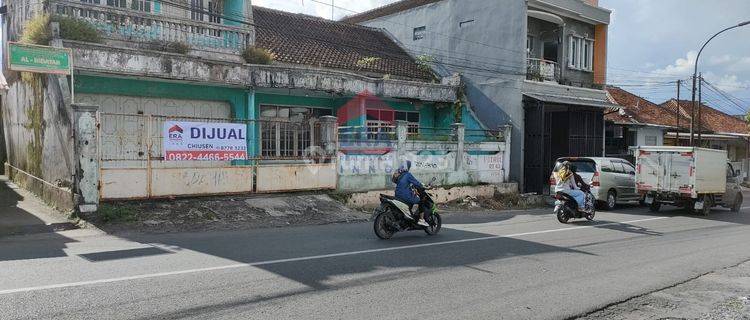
(394, 216)
(566, 207)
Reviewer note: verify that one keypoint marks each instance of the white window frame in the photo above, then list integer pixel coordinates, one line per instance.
(580, 53)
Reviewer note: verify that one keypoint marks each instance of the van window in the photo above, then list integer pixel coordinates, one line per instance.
(607, 166)
(618, 167)
(628, 167)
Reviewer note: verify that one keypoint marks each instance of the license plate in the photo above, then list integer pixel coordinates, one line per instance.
(649, 200)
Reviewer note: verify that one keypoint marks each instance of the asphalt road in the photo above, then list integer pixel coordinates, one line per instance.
(522, 265)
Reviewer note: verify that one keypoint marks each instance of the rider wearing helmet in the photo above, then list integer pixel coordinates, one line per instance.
(405, 181)
(569, 182)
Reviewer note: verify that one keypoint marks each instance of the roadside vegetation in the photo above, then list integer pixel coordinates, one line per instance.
(255, 55)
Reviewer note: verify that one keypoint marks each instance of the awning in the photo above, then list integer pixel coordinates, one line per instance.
(569, 100)
(546, 16)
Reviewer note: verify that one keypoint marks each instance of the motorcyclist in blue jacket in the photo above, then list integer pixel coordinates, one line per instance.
(404, 182)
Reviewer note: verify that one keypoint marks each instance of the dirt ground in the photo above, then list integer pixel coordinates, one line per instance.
(222, 213)
(721, 295)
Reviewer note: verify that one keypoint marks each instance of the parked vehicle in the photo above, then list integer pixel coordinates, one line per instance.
(694, 178)
(566, 208)
(394, 216)
(612, 180)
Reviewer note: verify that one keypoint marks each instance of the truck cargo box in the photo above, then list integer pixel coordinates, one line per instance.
(686, 171)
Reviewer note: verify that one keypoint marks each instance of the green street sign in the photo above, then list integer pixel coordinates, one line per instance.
(39, 59)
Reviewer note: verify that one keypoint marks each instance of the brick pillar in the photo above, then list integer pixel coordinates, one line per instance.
(86, 144)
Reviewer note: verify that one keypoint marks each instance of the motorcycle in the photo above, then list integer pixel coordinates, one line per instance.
(566, 207)
(394, 216)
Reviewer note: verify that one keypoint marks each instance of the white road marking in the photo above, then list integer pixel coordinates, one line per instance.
(324, 256)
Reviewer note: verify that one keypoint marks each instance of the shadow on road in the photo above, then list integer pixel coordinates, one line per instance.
(262, 247)
(17, 221)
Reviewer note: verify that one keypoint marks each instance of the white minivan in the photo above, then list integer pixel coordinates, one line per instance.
(612, 180)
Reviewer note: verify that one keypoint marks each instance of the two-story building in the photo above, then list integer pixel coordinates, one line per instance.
(538, 65)
(141, 63)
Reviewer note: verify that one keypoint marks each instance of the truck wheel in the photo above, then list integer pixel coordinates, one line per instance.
(707, 204)
(654, 207)
(737, 206)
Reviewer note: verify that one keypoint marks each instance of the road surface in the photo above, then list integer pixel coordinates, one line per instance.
(519, 265)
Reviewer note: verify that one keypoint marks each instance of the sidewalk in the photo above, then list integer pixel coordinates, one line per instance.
(720, 295)
(21, 213)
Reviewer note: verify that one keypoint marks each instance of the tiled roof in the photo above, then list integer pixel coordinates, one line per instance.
(637, 110)
(387, 10)
(306, 40)
(711, 119)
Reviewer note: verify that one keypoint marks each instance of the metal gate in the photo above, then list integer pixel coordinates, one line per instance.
(132, 165)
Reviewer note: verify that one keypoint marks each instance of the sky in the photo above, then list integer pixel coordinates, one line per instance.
(652, 44)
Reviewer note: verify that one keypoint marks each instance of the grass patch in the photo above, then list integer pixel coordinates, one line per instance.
(77, 30)
(253, 55)
(37, 31)
(116, 213)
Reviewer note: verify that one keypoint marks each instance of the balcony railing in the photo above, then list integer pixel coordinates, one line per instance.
(129, 25)
(542, 70)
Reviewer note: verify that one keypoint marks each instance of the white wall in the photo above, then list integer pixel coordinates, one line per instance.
(651, 132)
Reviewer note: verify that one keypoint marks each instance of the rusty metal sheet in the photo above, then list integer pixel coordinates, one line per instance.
(279, 178)
(124, 183)
(201, 181)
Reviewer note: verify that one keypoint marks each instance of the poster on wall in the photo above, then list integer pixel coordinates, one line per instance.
(198, 141)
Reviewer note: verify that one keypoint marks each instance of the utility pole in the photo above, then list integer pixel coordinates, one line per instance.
(695, 74)
(700, 106)
(333, 6)
(692, 116)
(679, 82)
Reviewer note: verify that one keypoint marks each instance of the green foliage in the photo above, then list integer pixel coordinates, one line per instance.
(367, 62)
(37, 31)
(425, 62)
(77, 30)
(116, 213)
(254, 55)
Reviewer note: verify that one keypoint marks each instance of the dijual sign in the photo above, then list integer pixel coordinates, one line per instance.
(198, 141)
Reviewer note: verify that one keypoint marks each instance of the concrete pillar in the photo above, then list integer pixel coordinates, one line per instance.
(329, 134)
(86, 150)
(402, 134)
(459, 130)
(507, 135)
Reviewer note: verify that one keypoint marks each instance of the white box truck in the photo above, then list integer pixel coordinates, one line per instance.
(694, 178)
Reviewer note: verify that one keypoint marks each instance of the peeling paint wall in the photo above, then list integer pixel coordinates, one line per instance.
(102, 59)
(38, 129)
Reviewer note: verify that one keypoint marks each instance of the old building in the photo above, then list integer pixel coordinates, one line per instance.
(539, 66)
(139, 64)
(638, 122)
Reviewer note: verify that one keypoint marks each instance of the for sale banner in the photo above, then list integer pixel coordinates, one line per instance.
(198, 141)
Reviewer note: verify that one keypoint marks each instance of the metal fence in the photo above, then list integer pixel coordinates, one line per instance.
(133, 139)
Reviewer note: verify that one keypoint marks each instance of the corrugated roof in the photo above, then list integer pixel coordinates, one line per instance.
(306, 40)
